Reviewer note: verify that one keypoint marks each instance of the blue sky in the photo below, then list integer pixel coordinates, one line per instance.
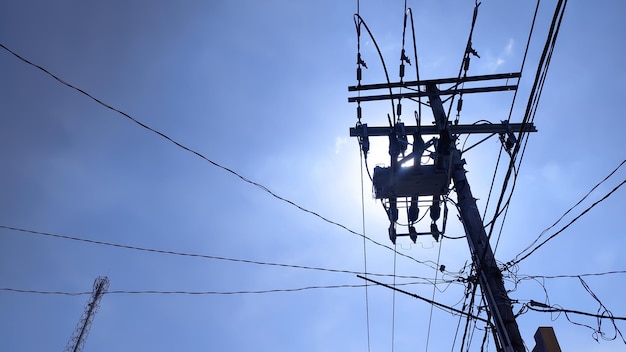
(261, 88)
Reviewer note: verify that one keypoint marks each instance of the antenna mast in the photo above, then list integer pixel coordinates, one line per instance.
(77, 342)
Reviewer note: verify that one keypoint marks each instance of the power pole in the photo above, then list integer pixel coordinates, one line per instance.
(489, 275)
(431, 180)
(77, 341)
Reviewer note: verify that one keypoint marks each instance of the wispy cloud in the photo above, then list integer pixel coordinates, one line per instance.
(495, 62)
(339, 143)
(508, 50)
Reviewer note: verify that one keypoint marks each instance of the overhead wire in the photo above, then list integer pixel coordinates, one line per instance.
(574, 206)
(528, 117)
(191, 293)
(602, 313)
(367, 309)
(193, 255)
(430, 318)
(563, 310)
(530, 114)
(458, 325)
(182, 146)
(466, 57)
(393, 304)
(415, 58)
(518, 259)
(533, 102)
(567, 276)
(363, 159)
(382, 59)
(441, 306)
(528, 41)
(470, 309)
(511, 167)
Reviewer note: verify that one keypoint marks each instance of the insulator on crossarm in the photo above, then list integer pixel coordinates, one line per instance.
(392, 233)
(403, 140)
(365, 145)
(393, 210)
(399, 109)
(364, 140)
(418, 148)
(434, 231)
(394, 146)
(435, 210)
(359, 61)
(359, 113)
(412, 234)
(414, 210)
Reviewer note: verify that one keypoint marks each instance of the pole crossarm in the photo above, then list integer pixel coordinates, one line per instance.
(454, 80)
(420, 93)
(504, 88)
(359, 131)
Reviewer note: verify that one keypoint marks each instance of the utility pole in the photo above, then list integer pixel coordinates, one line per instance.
(431, 180)
(489, 275)
(77, 341)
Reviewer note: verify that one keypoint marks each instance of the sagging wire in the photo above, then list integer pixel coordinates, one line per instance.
(358, 21)
(405, 59)
(465, 64)
(572, 207)
(430, 318)
(517, 259)
(194, 152)
(602, 313)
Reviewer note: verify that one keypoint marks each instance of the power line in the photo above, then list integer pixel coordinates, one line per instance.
(563, 310)
(602, 313)
(192, 293)
(367, 306)
(437, 304)
(203, 256)
(575, 205)
(202, 156)
(530, 277)
(531, 107)
(516, 260)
